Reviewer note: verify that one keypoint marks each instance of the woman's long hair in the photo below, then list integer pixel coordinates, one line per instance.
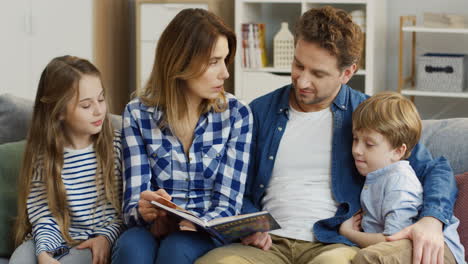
(183, 53)
(58, 85)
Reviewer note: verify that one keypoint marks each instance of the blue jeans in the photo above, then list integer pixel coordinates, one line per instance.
(138, 245)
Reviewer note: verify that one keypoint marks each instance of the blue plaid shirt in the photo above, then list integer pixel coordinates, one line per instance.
(209, 181)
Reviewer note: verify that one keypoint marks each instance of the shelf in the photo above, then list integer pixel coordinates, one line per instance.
(273, 1)
(412, 92)
(436, 30)
(308, 2)
(339, 2)
(281, 70)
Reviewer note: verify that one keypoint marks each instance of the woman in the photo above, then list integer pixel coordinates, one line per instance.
(184, 140)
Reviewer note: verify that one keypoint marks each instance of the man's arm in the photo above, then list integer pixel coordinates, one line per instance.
(439, 186)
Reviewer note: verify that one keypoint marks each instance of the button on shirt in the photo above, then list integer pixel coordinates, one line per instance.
(209, 181)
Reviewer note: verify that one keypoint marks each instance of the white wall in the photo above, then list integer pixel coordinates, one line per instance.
(429, 107)
(34, 32)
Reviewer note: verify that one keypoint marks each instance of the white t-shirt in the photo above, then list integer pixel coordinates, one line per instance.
(299, 193)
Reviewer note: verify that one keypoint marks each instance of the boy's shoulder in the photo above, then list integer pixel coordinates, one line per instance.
(401, 176)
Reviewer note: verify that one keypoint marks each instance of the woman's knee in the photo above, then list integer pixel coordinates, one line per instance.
(137, 245)
(184, 247)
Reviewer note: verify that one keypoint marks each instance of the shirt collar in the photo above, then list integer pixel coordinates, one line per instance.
(283, 105)
(340, 99)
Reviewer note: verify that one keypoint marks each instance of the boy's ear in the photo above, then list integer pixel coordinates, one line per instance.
(399, 152)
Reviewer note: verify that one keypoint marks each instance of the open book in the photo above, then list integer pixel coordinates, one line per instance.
(224, 229)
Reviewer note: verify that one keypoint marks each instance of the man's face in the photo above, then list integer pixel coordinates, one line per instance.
(316, 77)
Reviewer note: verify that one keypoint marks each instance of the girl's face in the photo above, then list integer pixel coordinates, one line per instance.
(210, 83)
(85, 115)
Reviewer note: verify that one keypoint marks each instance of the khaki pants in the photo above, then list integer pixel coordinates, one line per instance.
(282, 251)
(394, 252)
(291, 251)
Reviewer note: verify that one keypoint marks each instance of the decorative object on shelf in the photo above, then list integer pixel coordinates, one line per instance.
(359, 17)
(441, 20)
(442, 72)
(283, 47)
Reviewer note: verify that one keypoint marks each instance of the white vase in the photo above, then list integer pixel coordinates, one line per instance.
(283, 47)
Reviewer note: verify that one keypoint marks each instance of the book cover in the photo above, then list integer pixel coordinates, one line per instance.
(225, 229)
(262, 45)
(245, 46)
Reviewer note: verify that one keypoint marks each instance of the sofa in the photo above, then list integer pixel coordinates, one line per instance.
(447, 137)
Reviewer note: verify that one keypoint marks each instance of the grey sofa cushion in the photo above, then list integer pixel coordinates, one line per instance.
(16, 114)
(448, 138)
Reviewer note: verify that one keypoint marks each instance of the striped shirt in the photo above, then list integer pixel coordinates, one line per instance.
(90, 215)
(209, 181)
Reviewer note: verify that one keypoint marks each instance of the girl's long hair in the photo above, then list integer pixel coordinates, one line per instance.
(45, 142)
(183, 53)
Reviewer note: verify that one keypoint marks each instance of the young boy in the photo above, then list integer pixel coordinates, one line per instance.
(386, 127)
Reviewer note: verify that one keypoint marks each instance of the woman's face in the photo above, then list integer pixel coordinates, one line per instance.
(211, 82)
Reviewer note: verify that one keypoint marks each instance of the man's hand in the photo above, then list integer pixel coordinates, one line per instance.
(46, 258)
(100, 248)
(261, 240)
(428, 240)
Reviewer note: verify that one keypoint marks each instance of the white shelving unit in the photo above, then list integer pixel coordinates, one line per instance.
(407, 85)
(251, 83)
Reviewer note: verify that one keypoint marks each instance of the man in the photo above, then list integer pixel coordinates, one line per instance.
(302, 169)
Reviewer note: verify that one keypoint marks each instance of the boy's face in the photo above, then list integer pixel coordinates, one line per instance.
(372, 151)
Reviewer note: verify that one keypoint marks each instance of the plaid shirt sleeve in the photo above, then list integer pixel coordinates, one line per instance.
(137, 171)
(229, 186)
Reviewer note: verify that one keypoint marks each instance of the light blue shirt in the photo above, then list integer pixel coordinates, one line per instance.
(391, 199)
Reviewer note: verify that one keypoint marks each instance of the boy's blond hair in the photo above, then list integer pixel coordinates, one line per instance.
(393, 116)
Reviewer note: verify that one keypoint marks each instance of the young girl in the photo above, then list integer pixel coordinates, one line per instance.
(184, 139)
(70, 178)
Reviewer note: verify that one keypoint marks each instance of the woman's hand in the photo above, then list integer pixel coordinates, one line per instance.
(46, 258)
(146, 209)
(161, 223)
(100, 248)
(186, 225)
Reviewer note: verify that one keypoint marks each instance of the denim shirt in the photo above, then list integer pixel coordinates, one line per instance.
(270, 119)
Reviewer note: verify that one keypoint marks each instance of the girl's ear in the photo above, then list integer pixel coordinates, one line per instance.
(399, 152)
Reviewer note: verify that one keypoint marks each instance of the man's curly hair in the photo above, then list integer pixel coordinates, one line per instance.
(333, 30)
